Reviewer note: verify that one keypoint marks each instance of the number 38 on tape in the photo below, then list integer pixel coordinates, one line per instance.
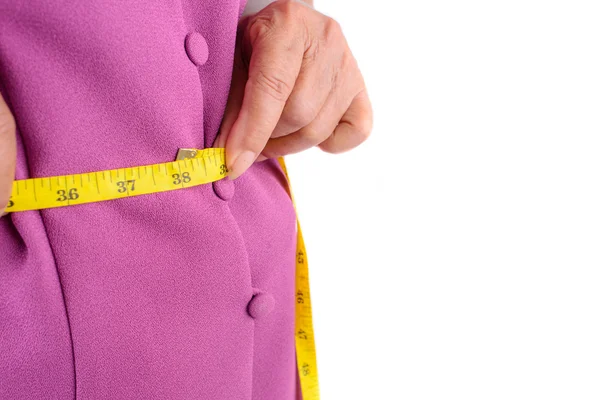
(206, 166)
(193, 167)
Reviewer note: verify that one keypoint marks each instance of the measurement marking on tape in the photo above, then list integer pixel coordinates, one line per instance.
(180, 178)
(175, 176)
(306, 358)
(65, 191)
(117, 183)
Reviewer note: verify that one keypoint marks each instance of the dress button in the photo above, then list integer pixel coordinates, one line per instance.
(196, 48)
(261, 305)
(224, 188)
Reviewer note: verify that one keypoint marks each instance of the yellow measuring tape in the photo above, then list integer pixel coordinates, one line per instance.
(306, 354)
(193, 167)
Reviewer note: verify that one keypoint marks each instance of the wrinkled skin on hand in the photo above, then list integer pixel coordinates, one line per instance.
(295, 85)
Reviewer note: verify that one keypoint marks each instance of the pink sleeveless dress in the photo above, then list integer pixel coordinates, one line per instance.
(186, 294)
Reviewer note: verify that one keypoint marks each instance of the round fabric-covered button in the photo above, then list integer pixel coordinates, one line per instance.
(196, 48)
(261, 305)
(224, 188)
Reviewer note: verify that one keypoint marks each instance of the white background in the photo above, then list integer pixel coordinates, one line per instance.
(456, 254)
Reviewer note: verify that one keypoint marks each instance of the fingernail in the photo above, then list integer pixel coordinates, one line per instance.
(241, 164)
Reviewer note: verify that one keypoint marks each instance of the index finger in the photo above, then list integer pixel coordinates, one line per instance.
(274, 67)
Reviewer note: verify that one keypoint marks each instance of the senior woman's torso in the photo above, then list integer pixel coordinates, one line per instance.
(183, 294)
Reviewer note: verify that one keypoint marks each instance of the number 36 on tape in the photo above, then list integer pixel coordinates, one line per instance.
(206, 166)
(193, 167)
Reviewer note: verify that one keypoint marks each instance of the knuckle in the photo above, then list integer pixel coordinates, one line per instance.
(273, 84)
(313, 51)
(260, 26)
(312, 135)
(288, 7)
(283, 18)
(282, 13)
(300, 113)
(327, 147)
(332, 30)
(364, 128)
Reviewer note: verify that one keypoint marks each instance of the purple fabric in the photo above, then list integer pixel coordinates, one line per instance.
(150, 296)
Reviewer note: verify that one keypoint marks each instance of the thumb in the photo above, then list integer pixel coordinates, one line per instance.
(8, 154)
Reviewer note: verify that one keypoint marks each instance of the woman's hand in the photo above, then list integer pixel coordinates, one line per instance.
(8, 154)
(295, 85)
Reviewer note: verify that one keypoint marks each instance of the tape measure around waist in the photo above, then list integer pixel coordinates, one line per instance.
(68, 190)
(205, 166)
